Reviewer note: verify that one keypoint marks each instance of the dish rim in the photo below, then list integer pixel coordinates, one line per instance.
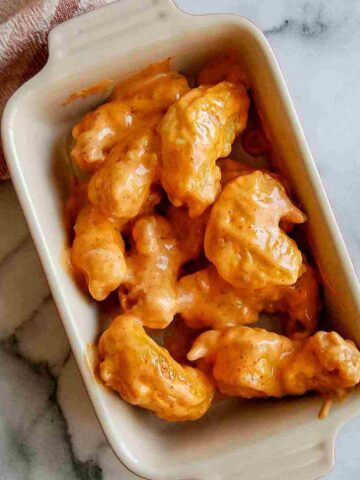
(24, 196)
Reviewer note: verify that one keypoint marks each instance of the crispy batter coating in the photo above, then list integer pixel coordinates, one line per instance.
(252, 362)
(148, 92)
(144, 373)
(149, 290)
(98, 252)
(152, 89)
(98, 131)
(231, 169)
(218, 69)
(206, 300)
(243, 238)
(196, 131)
(148, 208)
(190, 232)
(157, 142)
(122, 184)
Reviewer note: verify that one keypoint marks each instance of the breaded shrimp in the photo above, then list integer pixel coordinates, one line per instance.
(243, 238)
(98, 252)
(149, 290)
(252, 362)
(196, 131)
(144, 373)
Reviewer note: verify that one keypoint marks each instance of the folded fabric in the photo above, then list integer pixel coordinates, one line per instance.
(24, 27)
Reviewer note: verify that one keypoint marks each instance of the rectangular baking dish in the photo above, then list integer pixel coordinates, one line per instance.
(236, 440)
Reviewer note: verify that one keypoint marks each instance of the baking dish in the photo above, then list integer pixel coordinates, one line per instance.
(236, 440)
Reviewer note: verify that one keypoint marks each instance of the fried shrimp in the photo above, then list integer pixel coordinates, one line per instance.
(149, 289)
(196, 131)
(99, 131)
(145, 374)
(148, 92)
(243, 238)
(98, 252)
(206, 300)
(122, 184)
(252, 362)
(153, 89)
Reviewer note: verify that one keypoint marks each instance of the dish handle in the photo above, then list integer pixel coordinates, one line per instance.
(304, 454)
(121, 17)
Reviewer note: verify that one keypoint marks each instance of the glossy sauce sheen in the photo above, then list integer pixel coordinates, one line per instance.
(122, 184)
(195, 132)
(206, 300)
(98, 252)
(149, 376)
(252, 362)
(148, 92)
(243, 238)
(149, 289)
(192, 241)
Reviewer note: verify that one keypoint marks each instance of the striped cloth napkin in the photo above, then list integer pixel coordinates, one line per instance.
(24, 26)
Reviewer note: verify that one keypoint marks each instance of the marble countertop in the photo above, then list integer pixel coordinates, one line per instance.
(45, 433)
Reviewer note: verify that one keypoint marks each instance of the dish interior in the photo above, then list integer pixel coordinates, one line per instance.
(45, 124)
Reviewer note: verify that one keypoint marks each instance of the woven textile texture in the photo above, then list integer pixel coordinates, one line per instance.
(24, 27)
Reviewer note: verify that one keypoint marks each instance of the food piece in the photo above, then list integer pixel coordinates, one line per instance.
(196, 131)
(147, 93)
(149, 290)
(252, 362)
(243, 238)
(189, 232)
(144, 373)
(178, 339)
(154, 134)
(99, 131)
(206, 300)
(120, 187)
(218, 69)
(98, 252)
(152, 89)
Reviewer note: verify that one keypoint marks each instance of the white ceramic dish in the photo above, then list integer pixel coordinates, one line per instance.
(255, 440)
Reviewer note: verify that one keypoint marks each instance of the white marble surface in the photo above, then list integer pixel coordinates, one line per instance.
(47, 427)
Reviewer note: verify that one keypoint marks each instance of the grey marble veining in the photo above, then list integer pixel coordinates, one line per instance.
(47, 427)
